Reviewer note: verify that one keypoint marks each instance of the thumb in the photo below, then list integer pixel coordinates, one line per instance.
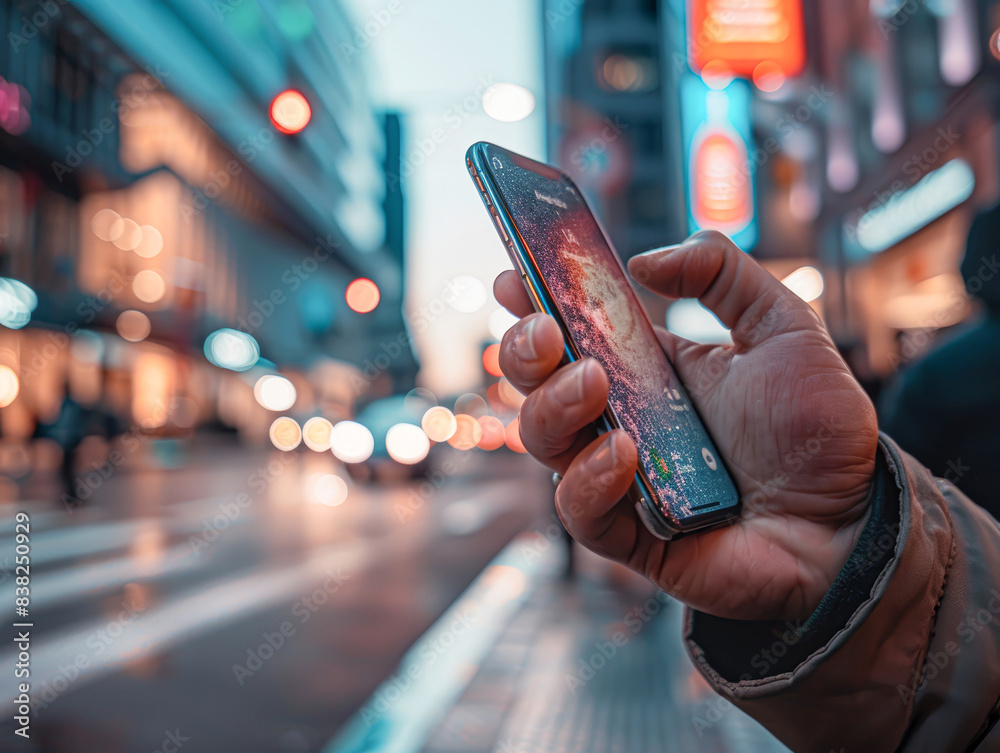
(747, 298)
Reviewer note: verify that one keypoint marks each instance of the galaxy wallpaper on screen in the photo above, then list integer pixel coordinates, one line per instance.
(595, 300)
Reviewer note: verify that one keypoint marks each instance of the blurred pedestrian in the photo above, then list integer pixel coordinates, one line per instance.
(944, 408)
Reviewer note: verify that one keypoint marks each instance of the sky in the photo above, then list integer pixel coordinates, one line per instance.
(432, 60)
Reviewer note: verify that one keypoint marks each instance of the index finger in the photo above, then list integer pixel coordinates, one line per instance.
(510, 293)
(746, 297)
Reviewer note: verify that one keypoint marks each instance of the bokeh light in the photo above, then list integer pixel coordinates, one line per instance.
(352, 442)
(133, 326)
(509, 394)
(491, 360)
(500, 321)
(467, 434)
(231, 349)
(466, 294)
(17, 301)
(290, 111)
(768, 76)
(149, 286)
(362, 295)
(151, 242)
(493, 433)
(107, 225)
(274, 392)
(508, 102)
(472, 404)
(418, 400)
(406, 443)
(439, 424)
(330, 490)
(9, 386)
(285, 433)
(512, 436)
(130, 237)
(317, 433)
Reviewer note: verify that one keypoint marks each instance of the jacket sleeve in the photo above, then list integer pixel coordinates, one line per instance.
(904, 651)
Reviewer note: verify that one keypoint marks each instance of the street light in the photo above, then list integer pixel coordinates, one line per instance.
(290, 112)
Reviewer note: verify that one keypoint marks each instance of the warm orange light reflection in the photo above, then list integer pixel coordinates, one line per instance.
(493, 433)
(150, 243)
(149, 286)
(467, 434)
(317, 433)
(439, 424)
(362, 295)
(285, 433)
(130, 236)
(9, 386)
(107, 225)
(759, 30)
(133, 325)
(290, 112)
(509, 394)
(513, 436)
(768, 76)
(491, 360)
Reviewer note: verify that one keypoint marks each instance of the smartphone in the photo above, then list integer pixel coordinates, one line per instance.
(572, 272)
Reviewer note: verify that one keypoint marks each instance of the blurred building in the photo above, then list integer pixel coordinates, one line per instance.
(613, 115)
(150, 196)
(848, 142)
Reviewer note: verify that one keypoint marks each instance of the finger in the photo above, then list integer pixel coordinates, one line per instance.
(530, 351)
(554, 414)
(589, 501)
(508, 289)
(746, 297)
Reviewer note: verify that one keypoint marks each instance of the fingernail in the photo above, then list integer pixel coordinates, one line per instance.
(603, 461)
(569, 388)
(524, 343)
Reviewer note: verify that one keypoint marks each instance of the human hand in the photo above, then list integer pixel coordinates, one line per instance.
(797, 431)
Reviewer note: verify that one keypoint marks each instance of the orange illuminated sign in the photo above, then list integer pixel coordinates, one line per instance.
(720, 199)
(736, 36)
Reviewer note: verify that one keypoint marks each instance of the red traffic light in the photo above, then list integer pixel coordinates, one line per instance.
(290, 111)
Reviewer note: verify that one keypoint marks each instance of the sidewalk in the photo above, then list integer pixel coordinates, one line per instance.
(578, 666)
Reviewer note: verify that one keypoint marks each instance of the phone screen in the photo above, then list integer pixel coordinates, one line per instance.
(602, 312)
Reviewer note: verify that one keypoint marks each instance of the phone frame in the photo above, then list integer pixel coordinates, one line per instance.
(641, 493)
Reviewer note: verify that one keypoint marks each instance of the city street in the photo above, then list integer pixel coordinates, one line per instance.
(168, 594)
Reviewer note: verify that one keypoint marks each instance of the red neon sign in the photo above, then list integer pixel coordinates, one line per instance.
(737, 36)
